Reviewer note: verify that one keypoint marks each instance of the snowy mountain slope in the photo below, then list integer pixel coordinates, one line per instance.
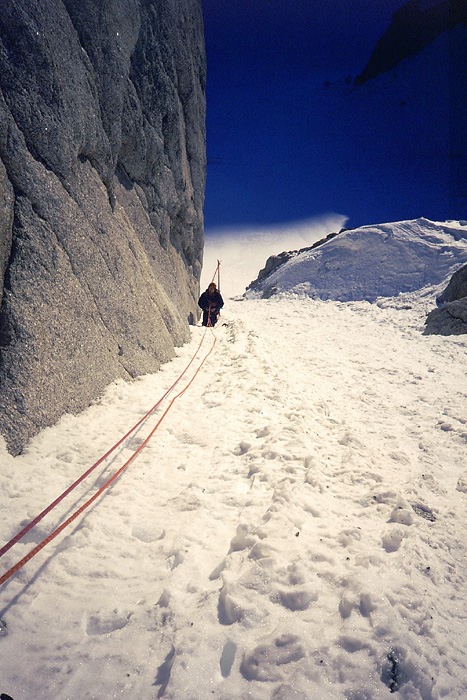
(373, 261)
(296, 529)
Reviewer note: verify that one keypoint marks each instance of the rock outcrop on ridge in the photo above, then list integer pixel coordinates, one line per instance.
(275, 261)
(102, 173)
(451, 316)
(414, 26)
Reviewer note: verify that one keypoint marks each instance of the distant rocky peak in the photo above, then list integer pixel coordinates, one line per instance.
(414, 26)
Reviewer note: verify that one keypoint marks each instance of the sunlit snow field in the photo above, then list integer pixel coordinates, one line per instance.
(295, 530)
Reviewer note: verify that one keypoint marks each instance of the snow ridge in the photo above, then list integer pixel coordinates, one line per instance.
(372, 261)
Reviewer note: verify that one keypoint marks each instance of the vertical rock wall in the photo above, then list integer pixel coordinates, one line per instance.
(102, 172)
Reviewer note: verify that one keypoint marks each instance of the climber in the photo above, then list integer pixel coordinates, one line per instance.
(211, 302)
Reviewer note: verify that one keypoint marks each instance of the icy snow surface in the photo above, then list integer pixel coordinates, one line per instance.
(295, 530)
(374, 261)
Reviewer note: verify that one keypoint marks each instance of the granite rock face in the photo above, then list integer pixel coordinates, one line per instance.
(457, 287)
(451, 317)
(102, 173)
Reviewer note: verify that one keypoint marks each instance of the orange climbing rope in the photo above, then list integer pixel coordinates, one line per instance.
(218, 273)
(14, 569)
(19, 565)
(65, 493)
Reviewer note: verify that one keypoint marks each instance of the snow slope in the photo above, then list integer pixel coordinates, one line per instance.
(296, 528)
(373, 261)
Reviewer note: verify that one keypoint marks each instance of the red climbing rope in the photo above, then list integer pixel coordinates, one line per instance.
(218, 273)
(65, 493)
(19, 565)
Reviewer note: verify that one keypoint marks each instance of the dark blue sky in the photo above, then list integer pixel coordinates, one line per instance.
(282, 146)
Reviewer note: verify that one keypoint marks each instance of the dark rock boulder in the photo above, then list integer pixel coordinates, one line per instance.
(102, 172)
(451, 317)
(457, 287)
(414, 26)
(434, 28)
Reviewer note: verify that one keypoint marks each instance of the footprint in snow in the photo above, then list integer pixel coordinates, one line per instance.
(147, 533)
(107, 623)
(393, 540)
(401, 515)
(287, 692)
(462, 483)
(269, 661)
(227, 658)
(242, 448)
(295, 599)
(229, 608)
